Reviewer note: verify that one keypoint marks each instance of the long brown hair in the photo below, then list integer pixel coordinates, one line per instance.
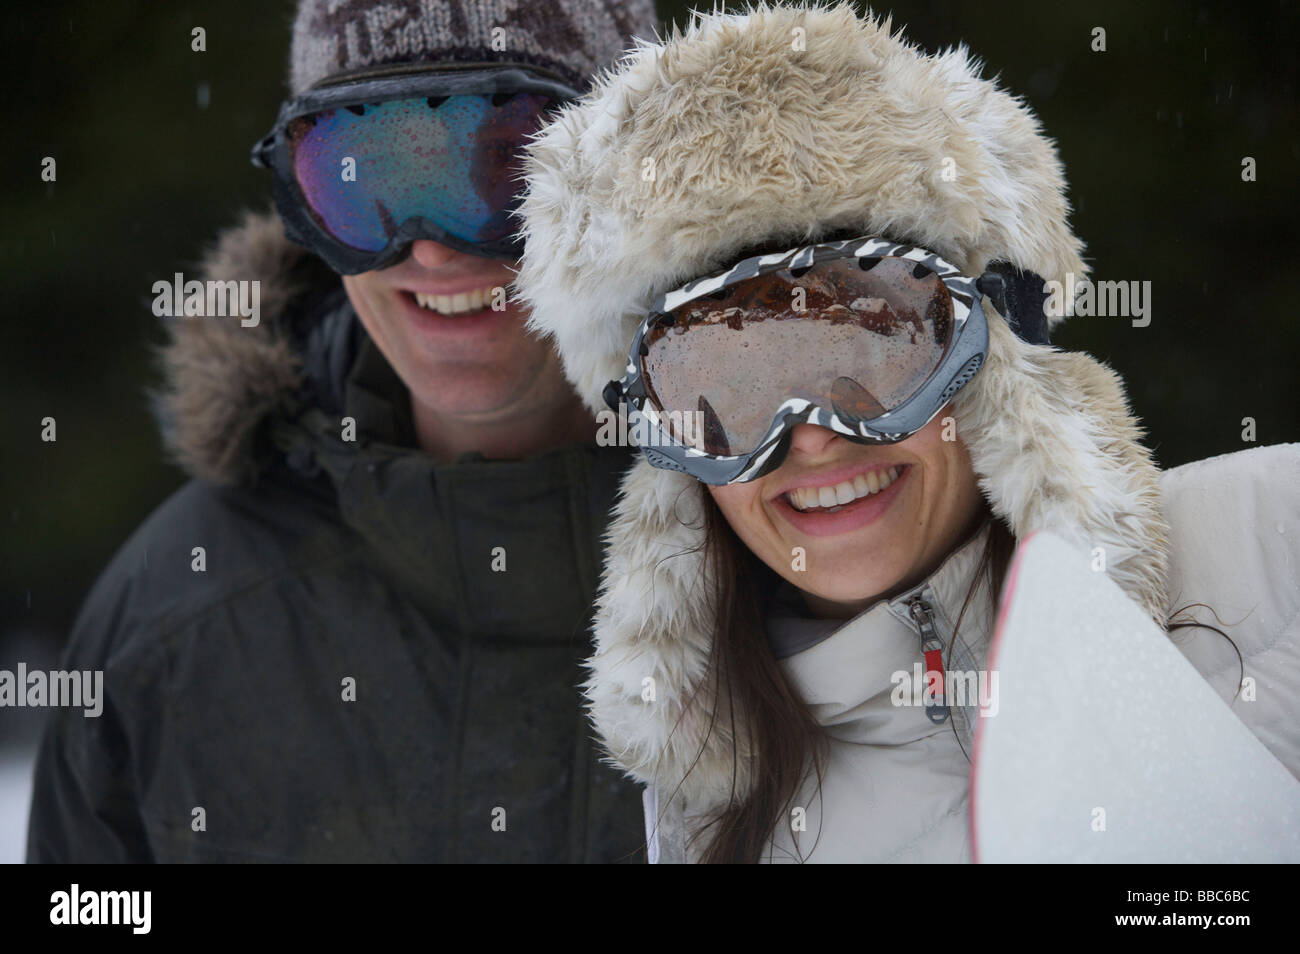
(787, 742)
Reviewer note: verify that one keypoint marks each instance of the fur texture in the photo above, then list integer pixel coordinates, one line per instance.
(726, 136)
(221, 379)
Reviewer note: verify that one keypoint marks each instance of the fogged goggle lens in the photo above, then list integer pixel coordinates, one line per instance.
(857, 336)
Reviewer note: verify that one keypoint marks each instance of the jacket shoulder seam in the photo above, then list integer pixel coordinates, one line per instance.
(168, 628)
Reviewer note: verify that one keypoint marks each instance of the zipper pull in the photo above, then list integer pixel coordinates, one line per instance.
(932, 649)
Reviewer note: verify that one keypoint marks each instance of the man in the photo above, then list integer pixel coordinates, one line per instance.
(356, 635)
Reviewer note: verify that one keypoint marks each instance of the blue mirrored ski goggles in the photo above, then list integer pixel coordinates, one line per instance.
(365, 166)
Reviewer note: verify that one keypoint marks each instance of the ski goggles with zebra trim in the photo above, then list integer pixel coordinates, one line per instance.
(365, 165)
(866, 337)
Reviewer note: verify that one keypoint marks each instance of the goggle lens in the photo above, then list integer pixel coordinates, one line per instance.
(858, 336)
(454, 161)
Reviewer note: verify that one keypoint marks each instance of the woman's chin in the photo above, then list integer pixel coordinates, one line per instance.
(849, 590)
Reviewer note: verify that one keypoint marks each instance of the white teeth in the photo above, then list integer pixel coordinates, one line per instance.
(455, 304)
(863, 485)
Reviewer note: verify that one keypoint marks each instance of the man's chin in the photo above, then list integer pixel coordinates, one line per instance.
(471, 390)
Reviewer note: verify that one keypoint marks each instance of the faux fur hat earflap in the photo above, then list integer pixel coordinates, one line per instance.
(790, 123)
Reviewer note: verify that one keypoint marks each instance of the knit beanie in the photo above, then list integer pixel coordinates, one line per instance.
(573, 38)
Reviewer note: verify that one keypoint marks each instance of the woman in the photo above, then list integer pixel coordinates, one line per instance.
(811, 261)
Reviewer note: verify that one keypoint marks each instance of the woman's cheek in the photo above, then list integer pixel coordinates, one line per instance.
(742, 506)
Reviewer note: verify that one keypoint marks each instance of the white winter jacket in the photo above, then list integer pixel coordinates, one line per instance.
(896, 784)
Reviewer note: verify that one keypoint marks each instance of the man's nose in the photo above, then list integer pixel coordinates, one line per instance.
(811, 440)
(431, 254)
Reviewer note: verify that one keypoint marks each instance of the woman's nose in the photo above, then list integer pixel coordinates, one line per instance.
(811, 440)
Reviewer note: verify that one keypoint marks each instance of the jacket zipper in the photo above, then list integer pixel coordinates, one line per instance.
(932, 649)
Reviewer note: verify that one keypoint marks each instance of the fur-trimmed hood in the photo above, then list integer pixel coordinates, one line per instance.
(222, 379)
(789, 123)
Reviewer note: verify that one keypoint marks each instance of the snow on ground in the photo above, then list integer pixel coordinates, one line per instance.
(15, 799)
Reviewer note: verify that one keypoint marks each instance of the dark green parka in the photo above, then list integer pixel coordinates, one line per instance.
(379, 659)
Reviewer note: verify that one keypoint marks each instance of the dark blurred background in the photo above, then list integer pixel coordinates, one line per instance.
(152, 140)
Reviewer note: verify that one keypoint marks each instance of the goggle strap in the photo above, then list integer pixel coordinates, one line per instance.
(1019, 298)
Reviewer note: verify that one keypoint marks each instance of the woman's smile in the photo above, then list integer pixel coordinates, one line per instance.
(824, 505)
(847, 523)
